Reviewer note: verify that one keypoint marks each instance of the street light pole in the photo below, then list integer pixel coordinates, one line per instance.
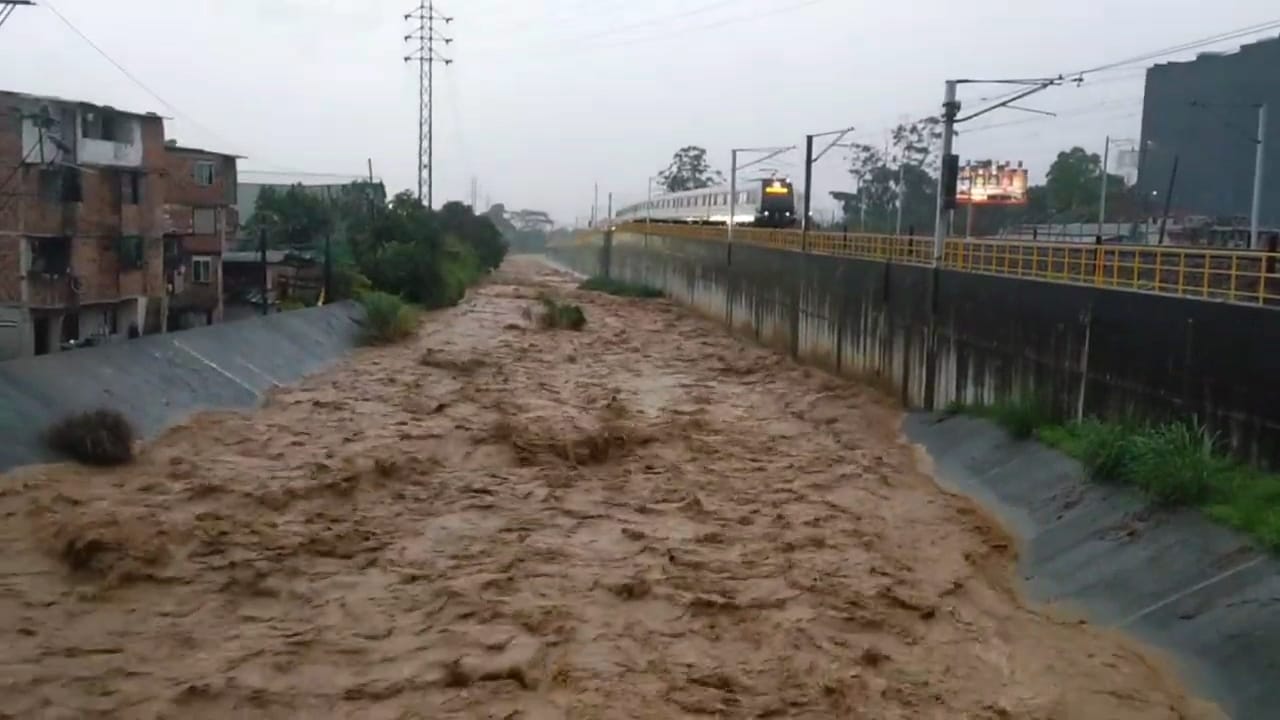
(1255, 242)
(897, 228)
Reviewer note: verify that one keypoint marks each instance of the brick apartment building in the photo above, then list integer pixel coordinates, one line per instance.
(81, 220)
(201, 218)
(106, 231)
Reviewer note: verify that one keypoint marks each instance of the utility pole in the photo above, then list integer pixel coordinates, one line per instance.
(609, 211)
(426, 56)
(326, 293)
(1255, 240)
(595, 203)
(266, 277)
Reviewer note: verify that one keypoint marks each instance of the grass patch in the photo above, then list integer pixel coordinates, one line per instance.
(556, 315)
(98, 437)
(1175, 464)
(609, 286)
(1020, 418)
(387, 318)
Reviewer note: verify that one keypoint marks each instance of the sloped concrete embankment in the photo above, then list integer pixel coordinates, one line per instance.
(159, 380)
(1172, 578)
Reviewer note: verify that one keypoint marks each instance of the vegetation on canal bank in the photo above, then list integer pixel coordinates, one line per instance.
(1175, 464)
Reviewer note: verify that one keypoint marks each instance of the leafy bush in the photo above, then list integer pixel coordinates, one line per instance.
(387, 318)
(610, 286)
(99, 437)
(347, 283)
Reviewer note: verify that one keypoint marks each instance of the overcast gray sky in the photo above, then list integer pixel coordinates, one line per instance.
(548, 96)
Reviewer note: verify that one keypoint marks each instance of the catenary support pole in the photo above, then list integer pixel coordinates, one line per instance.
(733, 195)
(808, 192)
(949, 111)
(1255, 241)
(1102, 200)
(897, 226)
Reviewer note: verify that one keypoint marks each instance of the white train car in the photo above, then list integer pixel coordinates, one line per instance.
(765, 203)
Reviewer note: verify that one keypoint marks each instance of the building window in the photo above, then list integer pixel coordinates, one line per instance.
(103, 124)
(204, 172)
(204, 221)
(60, 184)
(51, 256)
(130, 188)
(201, 270)
(132, 252)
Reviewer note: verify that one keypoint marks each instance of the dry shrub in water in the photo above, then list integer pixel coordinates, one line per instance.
(98, 437)
(612, 435)
(463, 366)
(556, 315)
(113, 549)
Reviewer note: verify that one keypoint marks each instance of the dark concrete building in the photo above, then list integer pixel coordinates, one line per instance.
(1203, 112)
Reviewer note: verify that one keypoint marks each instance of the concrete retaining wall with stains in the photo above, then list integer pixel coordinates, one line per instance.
(984, 338)
(158, 380)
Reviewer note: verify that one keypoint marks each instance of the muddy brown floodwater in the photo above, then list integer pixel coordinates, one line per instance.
(647, 519)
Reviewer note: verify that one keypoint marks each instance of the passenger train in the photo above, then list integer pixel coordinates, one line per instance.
(770, 203)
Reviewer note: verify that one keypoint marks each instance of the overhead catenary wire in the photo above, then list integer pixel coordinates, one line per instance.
(1183, 47)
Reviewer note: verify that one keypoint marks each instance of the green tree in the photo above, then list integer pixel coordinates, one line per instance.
(294, 219)
(689, 170)
(906, 170)
(476, 231)
(1073, 184)
(427, 257)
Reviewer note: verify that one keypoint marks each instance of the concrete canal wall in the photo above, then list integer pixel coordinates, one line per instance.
(986, 338)
(159, 380)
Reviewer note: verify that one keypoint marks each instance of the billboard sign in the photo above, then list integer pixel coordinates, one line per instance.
(992, 183)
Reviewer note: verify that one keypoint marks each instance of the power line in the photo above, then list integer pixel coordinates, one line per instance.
(125, 71)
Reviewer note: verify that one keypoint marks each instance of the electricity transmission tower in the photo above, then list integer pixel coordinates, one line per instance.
(426, 55)
(8, 6)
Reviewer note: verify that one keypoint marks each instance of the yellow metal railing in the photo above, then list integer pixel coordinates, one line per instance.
(1229, 275)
